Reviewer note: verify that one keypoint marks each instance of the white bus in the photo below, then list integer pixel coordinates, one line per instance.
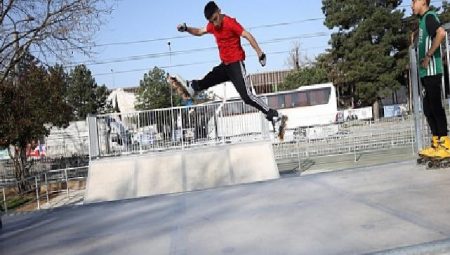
(306, 106)
(312, 112)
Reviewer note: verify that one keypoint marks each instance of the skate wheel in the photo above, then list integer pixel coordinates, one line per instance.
(430, 165)
(420, 161)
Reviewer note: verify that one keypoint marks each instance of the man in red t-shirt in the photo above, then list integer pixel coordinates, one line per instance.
(228, 32)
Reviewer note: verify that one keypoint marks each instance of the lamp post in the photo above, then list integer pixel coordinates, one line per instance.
(171, 94)
(170, 63)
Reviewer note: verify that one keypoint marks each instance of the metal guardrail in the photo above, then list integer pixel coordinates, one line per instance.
(34, 184)
(176, 129)
(41, 165)
(353, 137)
(234, 122)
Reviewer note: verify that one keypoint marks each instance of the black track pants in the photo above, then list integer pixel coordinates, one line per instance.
(432, 105)
(234, 72)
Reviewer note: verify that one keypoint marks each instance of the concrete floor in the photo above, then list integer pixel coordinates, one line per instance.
(396, 208)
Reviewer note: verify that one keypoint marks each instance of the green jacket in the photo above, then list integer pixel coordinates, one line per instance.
(425, 41)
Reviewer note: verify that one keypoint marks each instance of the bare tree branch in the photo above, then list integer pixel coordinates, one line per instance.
(50, 28)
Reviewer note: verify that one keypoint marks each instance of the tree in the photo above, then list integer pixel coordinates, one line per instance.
(294, 59)
(444, 12)
(84, 95)
(53, 29)
(303, 77)
(31, 104)
(369, 47)
(102, 103)
(154, 91)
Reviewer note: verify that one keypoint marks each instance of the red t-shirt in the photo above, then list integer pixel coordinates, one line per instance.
(228, 38)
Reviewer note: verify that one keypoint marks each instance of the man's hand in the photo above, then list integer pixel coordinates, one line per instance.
(425, 62)
(262, 59)
(182, 27)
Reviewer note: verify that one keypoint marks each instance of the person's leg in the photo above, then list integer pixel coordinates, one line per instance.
(438, 113)
(435, 115)
(436, 110)
(217, 75)
(236, 72)
(427, 106)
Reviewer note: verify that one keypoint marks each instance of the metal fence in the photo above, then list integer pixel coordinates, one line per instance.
(177, 128)
(67, 147)
(42, 188)
(234, 122)
(353, 138)
(41, 165)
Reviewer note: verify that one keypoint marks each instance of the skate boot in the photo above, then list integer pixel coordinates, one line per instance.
(431, 150)
(279, 125)
(441, 156)
(181, 84)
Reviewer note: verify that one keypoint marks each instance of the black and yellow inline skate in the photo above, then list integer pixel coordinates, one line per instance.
(437, 155)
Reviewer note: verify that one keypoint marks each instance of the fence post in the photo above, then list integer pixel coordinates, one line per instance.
(4, 201)
(67, 182)
(94, 147)
(416, 98)
(143, 133)
(37, 193)
(447, 52)
(46, 186)
(298, 157)
(180, 111)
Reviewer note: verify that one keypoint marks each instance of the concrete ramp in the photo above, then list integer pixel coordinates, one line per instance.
(179, 171)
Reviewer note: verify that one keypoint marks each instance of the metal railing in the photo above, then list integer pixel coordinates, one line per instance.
(41, 165)
(177, 128)
(43, 187)
(352, 138)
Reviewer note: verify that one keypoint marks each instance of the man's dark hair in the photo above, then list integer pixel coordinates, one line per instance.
(428, 2)
(210, 9)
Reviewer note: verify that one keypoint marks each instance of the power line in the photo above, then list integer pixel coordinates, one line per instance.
(248, 28)
(156, 55)
(188, 36)
(165, 54)
(199, 63)
(182, 52)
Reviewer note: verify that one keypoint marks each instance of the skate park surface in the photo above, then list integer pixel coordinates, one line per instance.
(396, 208)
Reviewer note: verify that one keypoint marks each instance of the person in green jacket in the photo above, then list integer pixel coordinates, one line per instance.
(430, 37)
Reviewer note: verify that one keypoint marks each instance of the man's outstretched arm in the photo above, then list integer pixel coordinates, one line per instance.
(255, 46)
(191, 30)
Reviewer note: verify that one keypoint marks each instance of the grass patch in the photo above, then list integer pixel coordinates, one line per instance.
(15, 202)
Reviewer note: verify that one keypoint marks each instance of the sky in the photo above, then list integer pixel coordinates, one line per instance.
(135, 37)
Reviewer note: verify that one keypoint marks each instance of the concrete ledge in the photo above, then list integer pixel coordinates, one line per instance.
(179, 171)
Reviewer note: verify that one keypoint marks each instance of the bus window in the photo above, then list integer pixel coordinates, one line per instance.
(281, 102)
(237, 108)
(288, 100)
(299, 98)
(302, 99)
(277, 101)
(319, 96)
(272, 102)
